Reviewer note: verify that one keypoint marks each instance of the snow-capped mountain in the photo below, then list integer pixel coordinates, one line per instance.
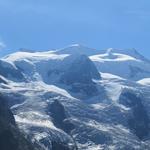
(80, 98)
(128, 64)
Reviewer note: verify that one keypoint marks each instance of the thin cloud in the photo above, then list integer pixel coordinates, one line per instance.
(2, 45)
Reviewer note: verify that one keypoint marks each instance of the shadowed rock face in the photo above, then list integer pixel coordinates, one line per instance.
(60, 119)
(139, 120)
(134, 71)
(2, 81)
(7, 70)
(6, 116)
(59, 146)
(58, 113)
(80, 75)
(10, 137)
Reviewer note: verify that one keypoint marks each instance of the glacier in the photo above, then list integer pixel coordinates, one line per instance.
(80, 98)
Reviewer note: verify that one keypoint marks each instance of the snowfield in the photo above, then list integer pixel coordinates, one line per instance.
(98, 111)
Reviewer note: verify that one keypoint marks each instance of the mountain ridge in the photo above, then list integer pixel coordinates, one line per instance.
(129, 59)
(99, 97)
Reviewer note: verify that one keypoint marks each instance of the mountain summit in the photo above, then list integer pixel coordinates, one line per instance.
(136, 67)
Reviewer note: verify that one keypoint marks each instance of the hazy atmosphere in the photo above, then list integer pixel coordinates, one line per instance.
(50, 24)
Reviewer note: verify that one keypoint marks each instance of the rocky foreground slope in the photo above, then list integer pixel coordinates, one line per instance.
(10, 136)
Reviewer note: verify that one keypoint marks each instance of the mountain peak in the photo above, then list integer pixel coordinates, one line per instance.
(123, 51)
(76, 45)
(78, 49)
(131, 52)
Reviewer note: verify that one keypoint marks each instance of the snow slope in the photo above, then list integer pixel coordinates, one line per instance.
(145, 81)
(126, 64)
(49, 110)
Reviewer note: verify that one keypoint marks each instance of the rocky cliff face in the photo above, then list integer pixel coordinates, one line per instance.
(61, 121)
(80, 76)
(10, 136)
(2, 80)
(9, 71)
(138, 120)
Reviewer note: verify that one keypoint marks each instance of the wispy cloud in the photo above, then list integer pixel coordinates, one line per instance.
(2, 45)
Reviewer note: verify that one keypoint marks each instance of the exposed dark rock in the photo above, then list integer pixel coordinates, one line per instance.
(59, 116)
(3, 81)
(14, 98)
(7, 70)
(80, 74)
(10, 136)
(60, 120)
(59, 146)
(139, 121)
(134, 71)
(6, 115)
(85, 133)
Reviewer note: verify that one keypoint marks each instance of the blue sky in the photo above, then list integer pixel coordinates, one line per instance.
(50, 24)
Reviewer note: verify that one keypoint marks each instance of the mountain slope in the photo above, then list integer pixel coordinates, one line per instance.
(80, 98)
(127, 64)
(135, 66)
(10, 136)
